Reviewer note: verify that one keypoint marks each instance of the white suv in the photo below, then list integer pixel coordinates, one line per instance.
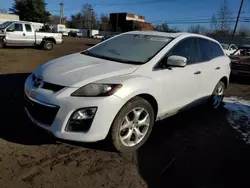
(121, 86)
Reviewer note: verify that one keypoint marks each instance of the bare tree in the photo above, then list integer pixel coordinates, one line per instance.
(89, 17)
(197, 29)
(3, 11)
(104, 18)
(162, 27)
(243, 32)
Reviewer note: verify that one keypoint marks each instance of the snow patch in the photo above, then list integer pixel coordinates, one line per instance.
(239, 115)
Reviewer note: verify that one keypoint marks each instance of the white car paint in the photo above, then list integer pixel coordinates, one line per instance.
(173, 88)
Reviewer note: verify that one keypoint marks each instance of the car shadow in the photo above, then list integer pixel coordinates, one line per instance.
(196, 148)
(15, 125)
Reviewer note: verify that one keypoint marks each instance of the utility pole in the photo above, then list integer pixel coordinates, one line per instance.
(238, 17)
(61, 12)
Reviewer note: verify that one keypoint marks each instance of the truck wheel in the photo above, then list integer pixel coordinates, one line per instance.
(1, 43)
(132, 125)
(48, 45)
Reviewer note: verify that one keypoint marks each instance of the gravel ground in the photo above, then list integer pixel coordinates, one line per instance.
(197, 148)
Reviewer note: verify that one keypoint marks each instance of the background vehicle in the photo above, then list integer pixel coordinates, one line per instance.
(19, 33)
(240, 64)
(98, 36)
(141, 77)
(229, 49)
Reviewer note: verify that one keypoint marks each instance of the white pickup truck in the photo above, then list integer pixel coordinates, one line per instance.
(20, 33)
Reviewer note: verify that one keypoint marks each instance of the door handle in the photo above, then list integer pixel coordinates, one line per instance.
(197, 72)
(23, 34)
(217, 68)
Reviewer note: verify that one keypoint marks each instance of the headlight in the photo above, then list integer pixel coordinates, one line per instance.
(96, 90)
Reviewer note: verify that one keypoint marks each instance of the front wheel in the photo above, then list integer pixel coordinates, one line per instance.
(216, 99)
(132, 125)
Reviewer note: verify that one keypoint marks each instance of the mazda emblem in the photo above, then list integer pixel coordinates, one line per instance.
(38, 82)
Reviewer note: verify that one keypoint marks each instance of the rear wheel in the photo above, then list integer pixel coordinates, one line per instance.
(216, 99)
(132, 125)
(48, 45)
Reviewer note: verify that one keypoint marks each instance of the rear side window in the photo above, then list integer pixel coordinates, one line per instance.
(186, 48)
(28, 28)
(208, 50)
(216, 50)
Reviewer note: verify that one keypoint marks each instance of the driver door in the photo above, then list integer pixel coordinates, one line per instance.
(182, 83)
(15, 34)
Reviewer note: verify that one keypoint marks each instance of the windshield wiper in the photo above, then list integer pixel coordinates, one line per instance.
(112, 59)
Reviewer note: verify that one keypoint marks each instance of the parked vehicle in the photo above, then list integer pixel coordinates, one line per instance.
(19, 33)
(121, 86)
(98, 36)
(240, 64)
(229, 49)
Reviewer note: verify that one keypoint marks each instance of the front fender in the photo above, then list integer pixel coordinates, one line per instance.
(133, 85)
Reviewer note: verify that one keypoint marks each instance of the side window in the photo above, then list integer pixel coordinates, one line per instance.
(16, 27)
(28, 28)
(216, 50)
(205, 50)
(186, 48)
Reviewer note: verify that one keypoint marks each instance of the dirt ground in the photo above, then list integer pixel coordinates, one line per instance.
(197, 148)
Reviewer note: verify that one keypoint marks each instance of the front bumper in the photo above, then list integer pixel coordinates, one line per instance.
(107, 107)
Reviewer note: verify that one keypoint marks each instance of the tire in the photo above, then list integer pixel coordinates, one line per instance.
(48, 45)
(216, 100)
(123, 128)
(1, 43)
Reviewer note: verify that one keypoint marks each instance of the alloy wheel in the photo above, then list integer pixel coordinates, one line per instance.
(134, 127)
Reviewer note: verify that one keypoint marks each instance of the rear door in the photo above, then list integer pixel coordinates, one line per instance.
(29, 34)
(211, 58)
(15, 34)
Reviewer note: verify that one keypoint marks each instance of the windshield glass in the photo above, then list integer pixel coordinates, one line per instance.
(130, 48)
(4, 25)
(225, 46)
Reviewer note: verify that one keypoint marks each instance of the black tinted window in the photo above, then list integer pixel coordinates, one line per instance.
(18, 27)
(186, 48)
(204, 50)
(28, 28)
(216, 50)
(208, 50)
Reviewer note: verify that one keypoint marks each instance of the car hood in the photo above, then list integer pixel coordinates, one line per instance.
(77, 70)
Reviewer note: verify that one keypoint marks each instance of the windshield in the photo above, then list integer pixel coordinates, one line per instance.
(130, 48)
(5, 24)
(225, 46)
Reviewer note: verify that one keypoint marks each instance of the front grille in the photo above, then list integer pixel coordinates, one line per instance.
(43, 114)
(240, 67)
(49, 86)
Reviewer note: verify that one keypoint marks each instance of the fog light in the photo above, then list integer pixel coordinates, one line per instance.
(82, 114)
(81, 120)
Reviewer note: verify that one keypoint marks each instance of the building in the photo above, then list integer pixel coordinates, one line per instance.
(8, 17)
(123, 22)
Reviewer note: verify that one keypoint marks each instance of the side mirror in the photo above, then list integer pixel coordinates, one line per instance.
(177, 61)
(10, 30)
